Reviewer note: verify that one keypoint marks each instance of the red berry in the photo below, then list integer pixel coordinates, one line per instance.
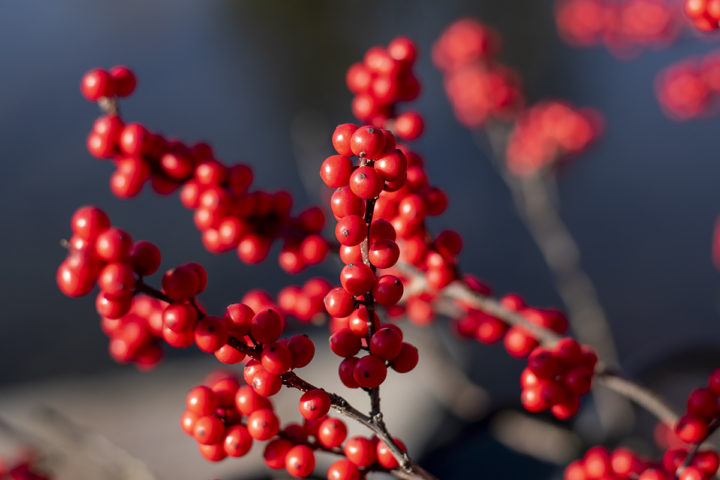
(276, 358)
(116, 279)
(237, 441)
(314, 404)
(370, 371)
(265, 383)
(341, 138)
(275, 453)
(209, 430)
(691, 429)
(332, 432)
(703, 403)
(346, 372)
(247, 401)
(385, 456)
(386, 343)
(97, 84)
(202, 401)
(357, 278)
(300, 461)
(113, 245)
(262, 424)
(366, 183)
(181, 283)
(135, 139)
(211, 333)
(180, 317)
(145, 257)
(339, 303)
(406, 360)
(238, 317)
(89, 222)
(302, 350)
(344, 343)
(266, 326)
(344, 202)
(409, 125)
(123, 80)
(360, 451)
(343, 469)
(335, 171)
(351, 230)
(367, 142)
(383, 253)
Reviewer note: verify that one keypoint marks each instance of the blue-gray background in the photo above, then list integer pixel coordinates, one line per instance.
(244, 75)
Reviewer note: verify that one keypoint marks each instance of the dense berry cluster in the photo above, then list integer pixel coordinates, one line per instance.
(689, 88)
(620, 26)
(382, 80)
(703, 412)
(487, 329)
(367, 244)
(622, 463)
(478, 86)
(705, 14)
(556, 377)
(229, 215)
(226, 417)
(547, 134)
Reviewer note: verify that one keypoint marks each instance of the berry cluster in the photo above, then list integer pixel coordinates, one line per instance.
(689, 88)
(366, 245)
(306, 302)
(556, 377)
(703, 412)
(488, 329)
(704, 14)
(620, 464)
(620, 26)
(547, 134)
(228, 214)
(98, 83)
(478, 87)
(382, 80)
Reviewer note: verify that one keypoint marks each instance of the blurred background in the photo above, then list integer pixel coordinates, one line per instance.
(263, 81)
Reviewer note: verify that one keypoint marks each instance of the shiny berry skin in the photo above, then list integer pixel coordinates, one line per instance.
(335, 171)
(201, 401)
(346, 371)
(300, 461)
(388, 290)
(332, 432)
(386, 343)
(370, 371)
(344, 343)
(344, 202)
(314, 404)
(145, 257)
(266, 326)
(385, 456)
(237, 441)
(409, 125)
(351, 230)
(112, 307)
(406, 360)
(567, 409)
(180, 317)
(123, 80)
(135, 140)
(97, 84)
(276, 358)
(302, 350)
(116, 279)
(367, 142)
(578, 380)
(339, 303)
(238, 317)
(703, 403)
(357, 278)
(263, 424)
(89, 222)
(211, 333)
(691, 429)
(392, 166)
(187, 421)
(181, 283)
(265, 383)
(247, 401)
(209, 430)
(383, 253)
(275, 453)
(213, 453)
(343, 469)
(366, 183)
(341, 138)
(360, 451)
(544, 364)
(113, 245)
